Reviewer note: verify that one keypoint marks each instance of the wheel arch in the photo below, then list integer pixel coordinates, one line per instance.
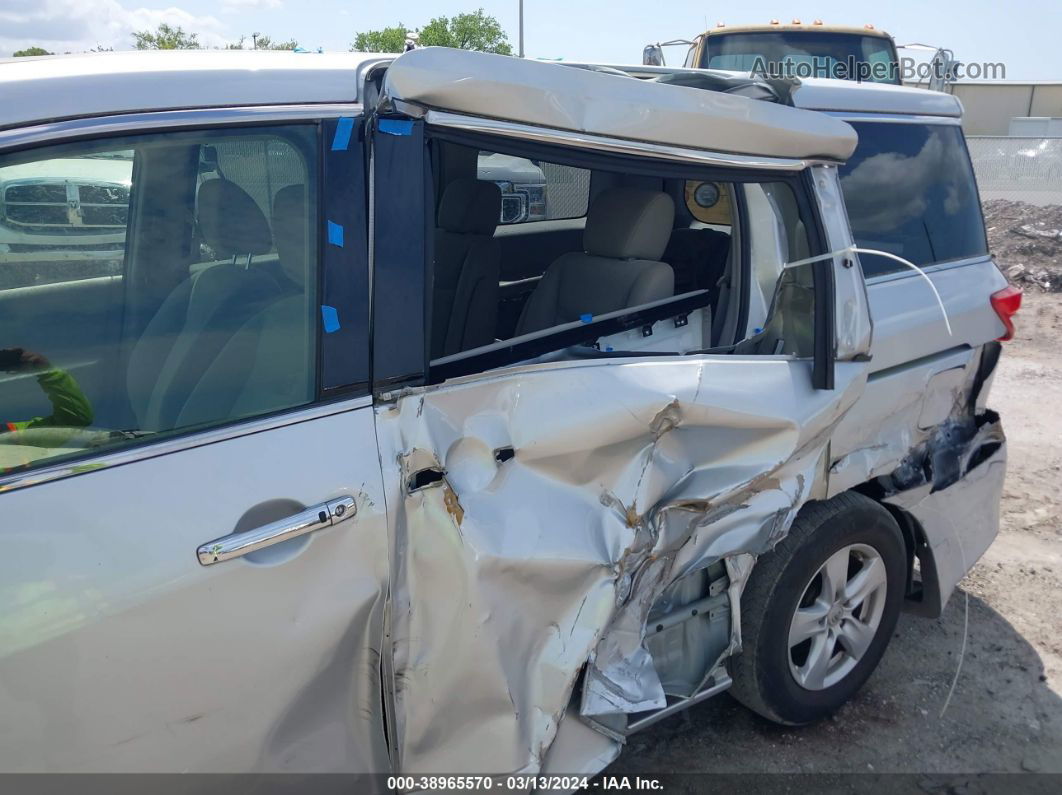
(922, 594)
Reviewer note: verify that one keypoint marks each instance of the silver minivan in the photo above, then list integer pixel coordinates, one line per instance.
(337, 473)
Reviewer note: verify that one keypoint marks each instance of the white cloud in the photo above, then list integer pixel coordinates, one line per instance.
(243, 5)
(79, 25)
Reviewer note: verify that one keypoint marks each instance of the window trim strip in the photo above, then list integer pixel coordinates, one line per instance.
(160, 121)
(641, 149)
(179, 443)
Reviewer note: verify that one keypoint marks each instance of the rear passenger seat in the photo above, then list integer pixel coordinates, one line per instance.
(467, 267)
(620, 265)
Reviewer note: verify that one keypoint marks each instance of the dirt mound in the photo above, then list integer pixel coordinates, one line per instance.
(1027, 242)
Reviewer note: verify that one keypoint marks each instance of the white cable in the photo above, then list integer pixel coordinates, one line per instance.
(965, 619)
(886, 254)
(962, 652)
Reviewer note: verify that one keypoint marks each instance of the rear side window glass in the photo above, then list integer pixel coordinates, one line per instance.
(533, 190)
(910, 191)
(155, 284)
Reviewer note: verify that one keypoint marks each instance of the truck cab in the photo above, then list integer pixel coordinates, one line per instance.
(795, 49)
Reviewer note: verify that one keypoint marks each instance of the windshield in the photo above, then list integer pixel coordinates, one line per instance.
(847, 56)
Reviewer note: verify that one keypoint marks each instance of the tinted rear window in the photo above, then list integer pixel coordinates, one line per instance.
(910, 190)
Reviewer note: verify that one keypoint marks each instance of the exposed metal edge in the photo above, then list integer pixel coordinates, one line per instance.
(698, 608)
(720, 684)
(890, 116)
(54, 131)
(481, 124)
(154, 449)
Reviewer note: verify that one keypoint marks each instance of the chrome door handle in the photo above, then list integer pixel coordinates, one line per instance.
(316, 517)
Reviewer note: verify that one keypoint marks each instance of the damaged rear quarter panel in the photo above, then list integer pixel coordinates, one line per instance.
(510, 574)
(922, 432)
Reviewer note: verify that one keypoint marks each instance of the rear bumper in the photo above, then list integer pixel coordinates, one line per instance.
(958, 522)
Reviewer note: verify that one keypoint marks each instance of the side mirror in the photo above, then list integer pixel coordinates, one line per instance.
(943, 69)
(653, 55)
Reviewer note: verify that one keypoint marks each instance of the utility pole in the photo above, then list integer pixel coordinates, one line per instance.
(521, 28)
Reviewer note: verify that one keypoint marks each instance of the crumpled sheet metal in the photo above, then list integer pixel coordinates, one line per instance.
(507, 577)
(897, 413)
(936, 451)
(959, 508)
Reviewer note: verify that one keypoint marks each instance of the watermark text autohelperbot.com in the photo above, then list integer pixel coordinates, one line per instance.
(907, 69)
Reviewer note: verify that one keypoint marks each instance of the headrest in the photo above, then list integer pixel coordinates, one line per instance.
(230, 221)
(470, 206)
(289, 231)
(629, 223)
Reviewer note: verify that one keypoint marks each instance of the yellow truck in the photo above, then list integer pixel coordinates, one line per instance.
(791, 50)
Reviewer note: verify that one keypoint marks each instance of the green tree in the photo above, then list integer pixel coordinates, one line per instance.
(261, 42)
(392, 39)
(476, 31)
(165, 37)
(32, 51)
(267, 43)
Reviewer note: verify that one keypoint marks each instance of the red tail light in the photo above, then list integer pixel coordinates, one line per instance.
(1007, 302)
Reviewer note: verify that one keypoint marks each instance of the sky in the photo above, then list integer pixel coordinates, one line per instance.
(1025, 38)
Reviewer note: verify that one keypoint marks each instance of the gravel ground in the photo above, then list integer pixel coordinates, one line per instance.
(1027, 240)
(1006, 713)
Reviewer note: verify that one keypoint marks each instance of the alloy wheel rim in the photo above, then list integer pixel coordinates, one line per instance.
(837, 616)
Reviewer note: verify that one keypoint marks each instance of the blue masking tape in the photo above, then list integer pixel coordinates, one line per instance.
(335, 234)
(396, 126)
(330, 318)
(341, 140)
(587, 318)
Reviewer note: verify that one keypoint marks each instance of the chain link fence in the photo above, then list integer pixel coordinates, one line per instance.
(1018, 169)
(1020, 180)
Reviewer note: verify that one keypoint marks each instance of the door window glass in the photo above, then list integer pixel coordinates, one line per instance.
(154, 284)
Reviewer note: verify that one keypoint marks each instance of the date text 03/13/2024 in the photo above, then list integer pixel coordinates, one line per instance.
(523, 783)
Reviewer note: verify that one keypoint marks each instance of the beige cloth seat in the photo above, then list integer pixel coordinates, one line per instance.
(627, 230)
(198, 318)
(467, 267)
(268, 363)
(231, 340)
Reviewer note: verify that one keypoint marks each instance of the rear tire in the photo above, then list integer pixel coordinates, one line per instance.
(819, 610)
